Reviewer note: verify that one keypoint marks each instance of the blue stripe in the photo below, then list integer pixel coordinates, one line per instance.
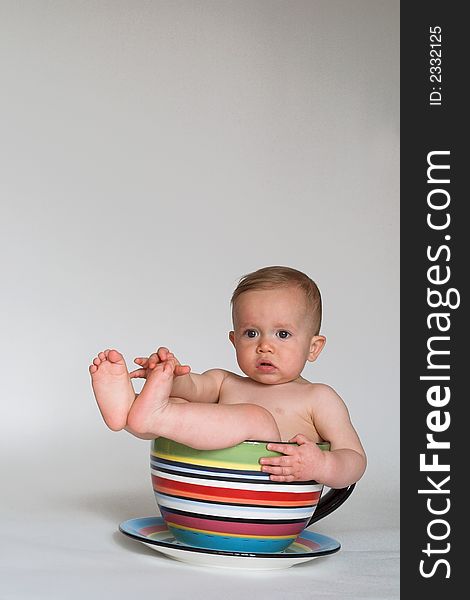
(201, 475)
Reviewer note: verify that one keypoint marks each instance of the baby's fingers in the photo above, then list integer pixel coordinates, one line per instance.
(182, 370)
(154, 360)
(138, 373)
(275, 467)
(282, 448)
(278, 461)
(282, 478)
(284, 472)
(163, 353)
(141, 360)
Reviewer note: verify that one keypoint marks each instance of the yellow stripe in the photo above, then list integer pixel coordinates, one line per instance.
(207, 463)
(302, 547)
(238, 535)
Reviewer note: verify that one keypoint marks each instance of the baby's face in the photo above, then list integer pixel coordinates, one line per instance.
(272, 334)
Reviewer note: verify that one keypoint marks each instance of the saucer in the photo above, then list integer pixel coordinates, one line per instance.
(153, 532)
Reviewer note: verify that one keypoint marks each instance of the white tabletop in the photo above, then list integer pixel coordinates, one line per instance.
(60, 539)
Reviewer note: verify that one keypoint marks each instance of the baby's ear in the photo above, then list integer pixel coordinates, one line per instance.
(317, 344)
(231, 337)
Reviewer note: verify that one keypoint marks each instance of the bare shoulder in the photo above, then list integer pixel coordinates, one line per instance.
(331, 418)
(218, 377)
(208, 385)
(217, 374)
(325, 403)
(322, 393)
(225, 376)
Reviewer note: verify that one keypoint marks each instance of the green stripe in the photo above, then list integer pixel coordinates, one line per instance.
(246, 454)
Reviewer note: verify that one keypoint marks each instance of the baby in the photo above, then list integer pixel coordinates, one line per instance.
(276, 314)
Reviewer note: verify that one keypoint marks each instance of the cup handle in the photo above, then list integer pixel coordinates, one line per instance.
(330, 502)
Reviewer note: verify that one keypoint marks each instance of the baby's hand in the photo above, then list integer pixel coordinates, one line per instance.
(162, 355)
(299, 463)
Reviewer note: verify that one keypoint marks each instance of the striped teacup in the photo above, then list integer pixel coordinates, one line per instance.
(221, 500)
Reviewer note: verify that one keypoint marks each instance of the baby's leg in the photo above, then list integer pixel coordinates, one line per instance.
(201, 426)
(112, 387)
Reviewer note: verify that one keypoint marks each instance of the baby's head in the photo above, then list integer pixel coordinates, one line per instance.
(276, 314)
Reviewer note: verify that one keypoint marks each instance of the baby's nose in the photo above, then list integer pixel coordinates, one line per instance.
(264, 345)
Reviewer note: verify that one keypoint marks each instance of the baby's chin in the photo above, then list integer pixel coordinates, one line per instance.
(271, 378)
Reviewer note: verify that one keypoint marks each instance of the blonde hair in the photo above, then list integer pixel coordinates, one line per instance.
(269, 278)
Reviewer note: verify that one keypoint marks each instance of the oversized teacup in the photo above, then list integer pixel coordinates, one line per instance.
(221, 500)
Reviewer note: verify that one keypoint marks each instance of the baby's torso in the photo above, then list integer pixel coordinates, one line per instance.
(291, 404)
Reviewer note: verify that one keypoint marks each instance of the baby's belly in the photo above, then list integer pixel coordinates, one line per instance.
(289, 423)
(287, 433)
(292, 425)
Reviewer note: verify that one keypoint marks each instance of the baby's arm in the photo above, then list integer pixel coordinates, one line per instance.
(195, 387)
(200, 425)
(192, 387)
(343, 465)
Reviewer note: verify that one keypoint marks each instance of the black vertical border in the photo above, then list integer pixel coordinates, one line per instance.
(426, 128)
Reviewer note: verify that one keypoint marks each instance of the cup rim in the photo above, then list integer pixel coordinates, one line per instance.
(253, 442)
(285, 443)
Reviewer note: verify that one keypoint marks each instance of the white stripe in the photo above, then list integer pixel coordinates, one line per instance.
(223, 510)
(235, 485)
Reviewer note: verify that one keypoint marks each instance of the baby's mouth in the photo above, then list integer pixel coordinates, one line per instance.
(265, 365)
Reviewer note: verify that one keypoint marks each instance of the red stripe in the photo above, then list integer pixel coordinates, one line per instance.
(152, 529)
(274, 529)
(190, 490)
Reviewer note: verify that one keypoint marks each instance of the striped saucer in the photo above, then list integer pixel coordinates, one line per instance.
(153, 532)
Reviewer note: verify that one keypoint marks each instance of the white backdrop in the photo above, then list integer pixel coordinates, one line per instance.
(153, 152)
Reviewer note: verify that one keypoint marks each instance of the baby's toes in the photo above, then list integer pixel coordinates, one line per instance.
(157, 370)
(92, 369)
(168, 368)
(115, 357)
(102, 356)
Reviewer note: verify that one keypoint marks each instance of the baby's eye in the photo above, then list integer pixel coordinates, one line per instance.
(283, 334)
(251, 333)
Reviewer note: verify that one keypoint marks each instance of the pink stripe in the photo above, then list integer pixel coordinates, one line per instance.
(274, 529)
(309, 543)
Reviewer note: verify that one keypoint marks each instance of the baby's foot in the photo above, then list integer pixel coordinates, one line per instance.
(112, 387)
(148, 409)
